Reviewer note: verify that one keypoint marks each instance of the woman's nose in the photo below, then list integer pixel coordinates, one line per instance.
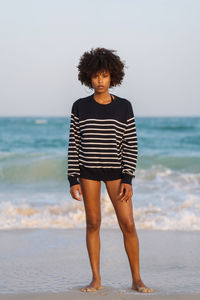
(99, 79)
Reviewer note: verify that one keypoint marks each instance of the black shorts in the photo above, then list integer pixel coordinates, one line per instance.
(104, 174)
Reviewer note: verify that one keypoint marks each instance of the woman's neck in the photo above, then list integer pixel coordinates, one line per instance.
(103, 97)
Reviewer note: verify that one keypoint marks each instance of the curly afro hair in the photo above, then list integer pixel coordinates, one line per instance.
(100, 59)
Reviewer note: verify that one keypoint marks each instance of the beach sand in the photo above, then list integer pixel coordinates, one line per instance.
(54, 264)
(75, 295)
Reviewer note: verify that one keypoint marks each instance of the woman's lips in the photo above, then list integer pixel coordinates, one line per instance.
(100, 86)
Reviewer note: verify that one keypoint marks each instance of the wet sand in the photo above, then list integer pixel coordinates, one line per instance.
(76, 295)
(54, 264)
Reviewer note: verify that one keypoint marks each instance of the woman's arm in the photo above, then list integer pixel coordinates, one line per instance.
(73, 148)
(129, 148)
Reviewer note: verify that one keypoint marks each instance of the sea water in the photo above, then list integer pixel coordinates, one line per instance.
(34, 190)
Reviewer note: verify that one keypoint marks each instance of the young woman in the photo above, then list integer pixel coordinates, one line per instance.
(103, 147)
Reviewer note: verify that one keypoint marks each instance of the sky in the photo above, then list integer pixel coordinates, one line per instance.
(42, 42)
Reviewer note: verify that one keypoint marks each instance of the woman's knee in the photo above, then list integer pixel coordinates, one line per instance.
(93, 224)
(128, 226)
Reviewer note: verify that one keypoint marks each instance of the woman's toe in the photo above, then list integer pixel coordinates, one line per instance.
(145, 289)
(88, 289)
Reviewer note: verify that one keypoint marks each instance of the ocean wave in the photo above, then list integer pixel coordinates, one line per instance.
(177, 127)
(179, 163)
(37, 167)
(191, 140)
(41, 121)
(180, 216)
(32, 167)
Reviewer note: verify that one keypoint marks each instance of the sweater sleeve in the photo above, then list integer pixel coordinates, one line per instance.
(130, 148)
(73, 148)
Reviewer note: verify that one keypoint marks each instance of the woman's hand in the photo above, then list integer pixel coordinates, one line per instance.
(125, 188)
(73, 191)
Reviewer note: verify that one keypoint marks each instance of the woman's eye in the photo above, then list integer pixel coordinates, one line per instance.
(105, 75)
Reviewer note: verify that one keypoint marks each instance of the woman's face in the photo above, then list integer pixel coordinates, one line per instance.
(101, 81)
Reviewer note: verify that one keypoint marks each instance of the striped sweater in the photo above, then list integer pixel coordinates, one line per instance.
(102, 141)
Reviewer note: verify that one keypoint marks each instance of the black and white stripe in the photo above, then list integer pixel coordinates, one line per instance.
(102, 143)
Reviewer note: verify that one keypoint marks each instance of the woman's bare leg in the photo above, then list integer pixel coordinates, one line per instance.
(124, 213)
(91, 197)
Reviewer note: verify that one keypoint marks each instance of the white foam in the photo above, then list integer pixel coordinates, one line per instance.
(41, 121)
(180, 216)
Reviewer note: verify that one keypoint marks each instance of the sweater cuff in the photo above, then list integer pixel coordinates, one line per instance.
(73, 180)
(126, 178)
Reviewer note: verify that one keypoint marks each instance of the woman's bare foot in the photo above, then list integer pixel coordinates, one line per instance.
(93, 286)
(141, 287)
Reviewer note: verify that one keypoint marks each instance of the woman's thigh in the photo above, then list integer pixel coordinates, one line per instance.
(91, 190)
(123, 209)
